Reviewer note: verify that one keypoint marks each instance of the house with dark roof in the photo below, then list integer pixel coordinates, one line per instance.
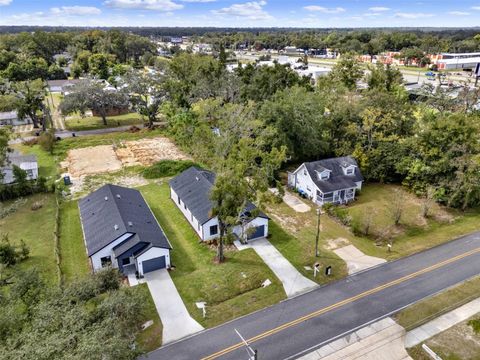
(120, 230)
(332, 180)
(27, 163)
(190, 191)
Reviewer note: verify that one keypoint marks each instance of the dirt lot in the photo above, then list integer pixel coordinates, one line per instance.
(109, 158)
(86, 163)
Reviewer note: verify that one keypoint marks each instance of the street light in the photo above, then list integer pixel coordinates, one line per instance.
(318, 233)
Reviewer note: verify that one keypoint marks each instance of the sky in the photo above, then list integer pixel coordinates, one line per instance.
(238, 13)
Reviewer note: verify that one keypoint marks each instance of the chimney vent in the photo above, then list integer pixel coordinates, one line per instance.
(118, 196)
(130, 223)
(106, 198)
(115, 227)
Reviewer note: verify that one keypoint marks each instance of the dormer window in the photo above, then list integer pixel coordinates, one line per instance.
(349, 171)
(324, 175)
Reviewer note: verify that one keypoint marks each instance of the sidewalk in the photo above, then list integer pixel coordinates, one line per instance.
(442, 323)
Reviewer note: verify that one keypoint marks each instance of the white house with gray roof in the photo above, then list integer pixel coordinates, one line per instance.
(120, 230)
(190, 191)
(332, 180)
(27, 163)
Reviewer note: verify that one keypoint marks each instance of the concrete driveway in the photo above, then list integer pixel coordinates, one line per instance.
(177, 322)
(292, 201)
(357, 260)
(293, 282)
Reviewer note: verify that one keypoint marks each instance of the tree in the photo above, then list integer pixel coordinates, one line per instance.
(92, 94)
(19, 175)
(8, 255)
(347, 71)
(4, 137)
(397, 206)
(30, 96)
(146, 93)
(383, 77)
(98, 65)
(47, 140)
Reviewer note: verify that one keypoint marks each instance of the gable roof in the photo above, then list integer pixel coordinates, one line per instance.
(113, 211)
(193, 186)
(337, 180)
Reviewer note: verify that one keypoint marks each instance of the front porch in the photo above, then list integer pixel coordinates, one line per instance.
(343, 196)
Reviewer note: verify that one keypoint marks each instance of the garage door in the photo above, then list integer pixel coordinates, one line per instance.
(259, 232)
(154, 264)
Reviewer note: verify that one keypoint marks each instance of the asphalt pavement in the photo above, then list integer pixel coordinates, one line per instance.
(301, 324)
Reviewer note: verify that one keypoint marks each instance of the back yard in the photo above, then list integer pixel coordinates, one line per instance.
(230, 289)
(36, 229)
(77, 123)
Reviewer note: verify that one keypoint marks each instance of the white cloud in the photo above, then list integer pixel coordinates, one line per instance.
(252, 10)
(325, 10)
(5, 2)
(475, 7)
(378, 8)
(413, 15)
(372, 14)
(198, 1)
(458, 13)
(159, 5)
(75, 10)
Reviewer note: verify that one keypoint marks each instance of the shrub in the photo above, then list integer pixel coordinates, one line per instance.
(166, 168)
(47, 140)
(475, 324)
(339, 213)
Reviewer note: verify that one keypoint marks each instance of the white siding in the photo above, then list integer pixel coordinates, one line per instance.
(258, 221)
(107, 251)
(33, 166)
(359, 185)
(206, 230)
(304, 182)
(152, 253)
(188, 215)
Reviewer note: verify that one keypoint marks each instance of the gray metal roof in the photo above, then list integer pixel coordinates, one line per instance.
(193, 186)
(16, 158)
(113, 211)
(337, 180)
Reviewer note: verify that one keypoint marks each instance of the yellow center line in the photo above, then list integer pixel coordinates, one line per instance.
(339, 304)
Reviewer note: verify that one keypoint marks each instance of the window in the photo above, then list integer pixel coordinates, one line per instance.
(185, 206)
(305, 172)
(350, 171)
(106, 261)
(178, 199)
(308, 188)
(126, 261)
(324, 176)
(213, 230)
(29, 173)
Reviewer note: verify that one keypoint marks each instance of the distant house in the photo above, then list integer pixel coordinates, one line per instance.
(328, 181)
(28, 163)
(190, 191)
(120, 231)
(11, 118)
(62, 86)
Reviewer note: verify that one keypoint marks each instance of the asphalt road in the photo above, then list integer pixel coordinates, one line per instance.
(299, 325)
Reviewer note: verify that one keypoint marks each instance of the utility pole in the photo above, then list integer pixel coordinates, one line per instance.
(252, 353)
(318, 232)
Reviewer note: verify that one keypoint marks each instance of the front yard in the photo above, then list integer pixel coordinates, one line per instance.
(231, 289)
(77, 123)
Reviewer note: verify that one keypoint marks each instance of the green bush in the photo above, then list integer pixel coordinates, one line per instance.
(339, 213)
(475, 324)
(166, 168)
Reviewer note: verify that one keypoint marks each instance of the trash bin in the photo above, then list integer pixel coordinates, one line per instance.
(66, 180)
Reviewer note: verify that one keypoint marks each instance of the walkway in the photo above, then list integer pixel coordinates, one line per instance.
(292, 201)
(357, 260)
(177, 322)
(293, 282)
(442, 323)
(381, 340)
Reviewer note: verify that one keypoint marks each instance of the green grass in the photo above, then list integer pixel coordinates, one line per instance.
(414, 233)
(36, 228)
(150, 338)
(47, 164)
(77, 123)
(227, 292)
(62, 147)
(166, 168)
(73, 257)
(432, 307)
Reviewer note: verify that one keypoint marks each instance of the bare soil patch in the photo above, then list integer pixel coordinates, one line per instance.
(333, 244)
(92, 160)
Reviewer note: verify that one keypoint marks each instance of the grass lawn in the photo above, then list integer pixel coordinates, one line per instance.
(414, 233)
(47, 164)
(459, 342)
(433, 307)
(77, 123)
(73, 257)
(231, 289)
(150, 338)
(293, 234)
(36, 228)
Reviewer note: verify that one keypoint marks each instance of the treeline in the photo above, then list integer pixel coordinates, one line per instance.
(30, 56)
(429, 146)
